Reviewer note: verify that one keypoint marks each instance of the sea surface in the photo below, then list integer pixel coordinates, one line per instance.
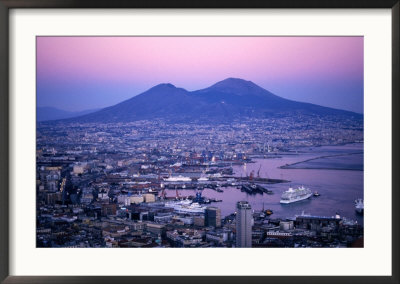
(336, 172)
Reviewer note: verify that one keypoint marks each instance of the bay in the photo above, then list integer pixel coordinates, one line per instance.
(330, 176)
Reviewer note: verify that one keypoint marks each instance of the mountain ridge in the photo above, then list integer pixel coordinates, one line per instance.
(226, 100)
(52, 113)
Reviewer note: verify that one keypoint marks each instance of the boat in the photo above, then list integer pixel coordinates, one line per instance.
(186, 206)
(252, 188)
(269, 212)
(200, 199)
(359, 204)
(266, 190)
(316, 194)
(295, 194)
(202, 179)
(303, 214)
(178, 178)
(192, 208)
(172, 204)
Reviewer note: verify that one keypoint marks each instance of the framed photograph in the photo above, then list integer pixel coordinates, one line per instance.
(203, 142)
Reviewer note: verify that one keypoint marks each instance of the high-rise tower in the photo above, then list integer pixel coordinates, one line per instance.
(213, 217)
(243, 224)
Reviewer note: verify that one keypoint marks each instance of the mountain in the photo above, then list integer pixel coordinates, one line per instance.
(52, 113)
(226, 100)
(162, 101)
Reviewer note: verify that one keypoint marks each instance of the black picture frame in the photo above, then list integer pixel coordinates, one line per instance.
(6, 5)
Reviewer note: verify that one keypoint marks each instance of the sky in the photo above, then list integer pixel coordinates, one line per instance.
(80, 73)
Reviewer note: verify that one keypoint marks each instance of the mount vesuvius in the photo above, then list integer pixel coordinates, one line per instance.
(226, 100)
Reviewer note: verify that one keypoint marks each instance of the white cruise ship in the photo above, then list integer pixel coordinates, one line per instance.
(178, 178)
(297, 194)
(359, 204)
(202, 179)
(186, 206)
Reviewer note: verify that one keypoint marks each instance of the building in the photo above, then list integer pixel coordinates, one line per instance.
(213, 217)
(244, 221)
(286, 225)
(198, 221)
(278, 234)
(136, 199)
(79, 168)
(53, 197)
(316, 223)
(187, 220)
(108, 209)
(148, 197)
(156, 229)
(50, 178)
(219, 236)
(124, 199)
(162, 217)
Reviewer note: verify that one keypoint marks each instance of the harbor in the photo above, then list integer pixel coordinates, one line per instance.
(338, 189)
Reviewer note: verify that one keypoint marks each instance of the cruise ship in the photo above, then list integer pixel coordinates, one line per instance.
(178, 178)
(186, 206)
(202, 179)
(359, 203)
(293, 195)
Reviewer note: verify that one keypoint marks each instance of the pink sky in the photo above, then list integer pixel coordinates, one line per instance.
(279, 64)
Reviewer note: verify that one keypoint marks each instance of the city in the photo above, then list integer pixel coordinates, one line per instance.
(144, 183)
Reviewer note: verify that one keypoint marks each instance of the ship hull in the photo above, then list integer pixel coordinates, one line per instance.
(360, 210)
(185, 207)
(193, 211)
(295, 200)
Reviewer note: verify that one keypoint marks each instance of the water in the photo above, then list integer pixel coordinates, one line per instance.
(330, 176)
(348, 162)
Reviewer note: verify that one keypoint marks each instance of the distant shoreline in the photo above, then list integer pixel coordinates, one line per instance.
(308, 168)
(290, 166)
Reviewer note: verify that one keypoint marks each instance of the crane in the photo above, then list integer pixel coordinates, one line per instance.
(258, 172)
